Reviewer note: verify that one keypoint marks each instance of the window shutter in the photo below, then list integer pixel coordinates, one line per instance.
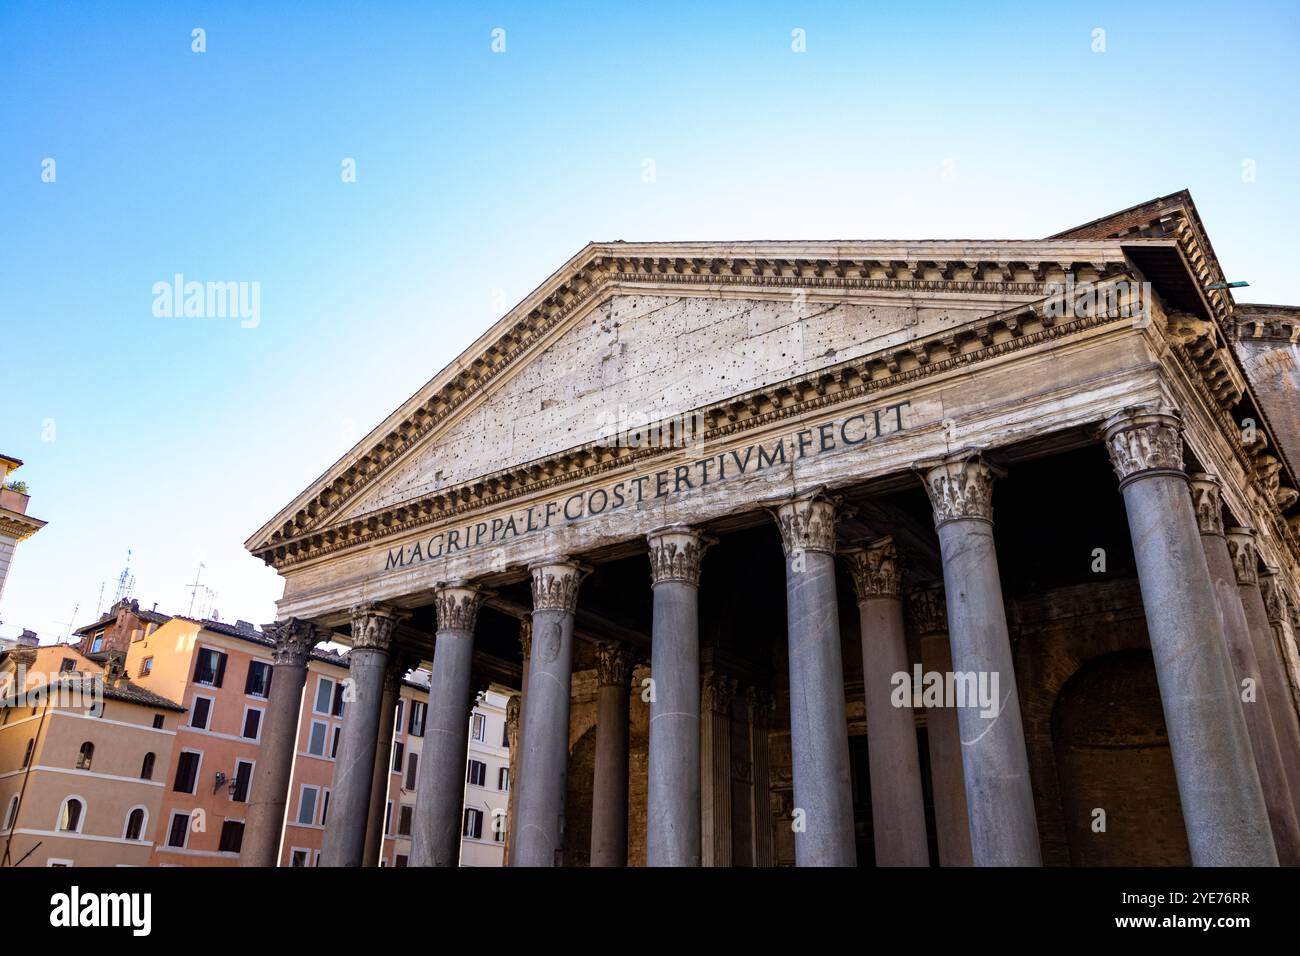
(221, 670)
(248, 681)
(411, 762)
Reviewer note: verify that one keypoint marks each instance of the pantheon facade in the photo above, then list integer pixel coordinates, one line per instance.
(831, 553)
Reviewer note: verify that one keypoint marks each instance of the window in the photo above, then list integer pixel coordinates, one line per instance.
(338, 700)
(388, 818)
(187, 771)
(478, 727)
(211, 667)
(404, 820)
(399, 860)
(258, 683)
(201, 713)
(324, 807)
(232, 836)
(498, 826)
(401, 709)
(307, 804)
(503, 778)
(298, 858)
(70, 815)
(316, 743)
(334, 744)
(146, 667)
(397, 758)
(67, 665)
(243, 780)
(473, 827)
(137, 635)
(179, 831)
(412, 760)
(252, 723)
(97, 644)
(146, 766)
(417, 718)
(135, 821)
(86, 756)
(324, 694)
(27, 755)
(477, 773)
(11, 813)
(505, 733)
(157, 721)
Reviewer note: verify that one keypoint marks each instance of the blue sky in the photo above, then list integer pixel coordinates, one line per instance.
(478, 173)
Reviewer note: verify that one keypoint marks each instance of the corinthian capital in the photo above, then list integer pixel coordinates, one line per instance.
(1145, 441)
(1241, 545)
(960, 486)
(927, 611)
(294, 640)
(613, 665)
(717, 692)
(874, 569)
(1270, 585)
(555, 584)
(373, 626)
(807, 523)
(1207, 503)
(677, 554)
(457, 605)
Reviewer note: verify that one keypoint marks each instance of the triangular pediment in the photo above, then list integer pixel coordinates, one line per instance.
(625, 333)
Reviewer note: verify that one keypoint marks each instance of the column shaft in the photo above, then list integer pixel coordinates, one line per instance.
(999, 793)
(538, 838)
(436, 837)
(819, 742)
(374, 849)
(344, 842)
(717, 692)
(759, 705)
(609, 786)
(294, 640)
(1223, 804)
(952, 823)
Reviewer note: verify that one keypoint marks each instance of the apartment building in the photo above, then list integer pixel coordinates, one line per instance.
(85, 755)
(487, 783)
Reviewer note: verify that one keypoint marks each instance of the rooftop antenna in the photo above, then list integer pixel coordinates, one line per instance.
(125, 580)
(194, 588)
(99, 604)
(68, 634)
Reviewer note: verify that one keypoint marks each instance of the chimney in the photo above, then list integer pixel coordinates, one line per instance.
(115, 668)
(28, 638)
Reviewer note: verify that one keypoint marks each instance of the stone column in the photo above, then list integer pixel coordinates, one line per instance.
(1243, 668)
(819, 738)
(1280, 613)
(673, 773)
(609, 786)
(373, 627)
(516, 753)
(435, 840)
(1272, 677)
(760, 706)
(398, 665)
(1223, 805)
(512, 736)
(716, 694)
(999, 794)
(538, 839)
(897, 801)
(294, 640)
(928, 618)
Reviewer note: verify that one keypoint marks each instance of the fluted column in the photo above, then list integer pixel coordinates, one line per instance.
(759, 707)
(716, 694)
(373, 628)
(398, 665)
(294, 640)
(897, 803)
(673, 784)
(1223, 804)
(928, 617)
(819, 741)
(999, 795)
(538, 840)
(609, 786)
(1272, 676)
(1243, 667)
(436, 837)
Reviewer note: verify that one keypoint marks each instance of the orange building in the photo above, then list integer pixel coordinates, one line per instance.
(84, 757)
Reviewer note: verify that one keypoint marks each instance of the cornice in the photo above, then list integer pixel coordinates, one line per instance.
(998, 268)
(1003, 333)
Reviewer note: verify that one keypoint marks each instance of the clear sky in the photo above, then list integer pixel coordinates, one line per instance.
(478, 173)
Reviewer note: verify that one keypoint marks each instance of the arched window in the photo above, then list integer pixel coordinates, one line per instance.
(11, 814)
(146, 768)
(135, 821)
(86, 756)
(71, 815)
(27, 757)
